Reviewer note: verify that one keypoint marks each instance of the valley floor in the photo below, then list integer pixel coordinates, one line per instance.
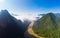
(31, 32)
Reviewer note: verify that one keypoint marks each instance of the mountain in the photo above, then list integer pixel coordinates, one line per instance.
(10, 27)
(48, 26)
(41, 14)
(58, 15)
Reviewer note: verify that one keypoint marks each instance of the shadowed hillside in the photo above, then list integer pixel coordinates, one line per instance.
(9, 26)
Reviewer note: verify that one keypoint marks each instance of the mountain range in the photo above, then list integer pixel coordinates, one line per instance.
(47, 26)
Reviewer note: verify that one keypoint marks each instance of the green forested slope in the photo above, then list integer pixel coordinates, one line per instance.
(48, 26)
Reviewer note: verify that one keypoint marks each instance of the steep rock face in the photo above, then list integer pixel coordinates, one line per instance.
(48, 26)
(9, 26)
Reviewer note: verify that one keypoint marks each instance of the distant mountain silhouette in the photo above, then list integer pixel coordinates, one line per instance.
(41, 14)
(48, 26)
(10, 27)
(57, 14)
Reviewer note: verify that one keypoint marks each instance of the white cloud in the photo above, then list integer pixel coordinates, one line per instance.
(29, 17)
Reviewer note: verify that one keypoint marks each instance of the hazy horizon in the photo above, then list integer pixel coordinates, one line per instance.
(27, 8)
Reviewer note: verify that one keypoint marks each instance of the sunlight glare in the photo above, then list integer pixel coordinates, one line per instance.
(1, 1)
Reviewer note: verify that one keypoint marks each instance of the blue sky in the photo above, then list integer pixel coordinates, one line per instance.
(30, 6)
